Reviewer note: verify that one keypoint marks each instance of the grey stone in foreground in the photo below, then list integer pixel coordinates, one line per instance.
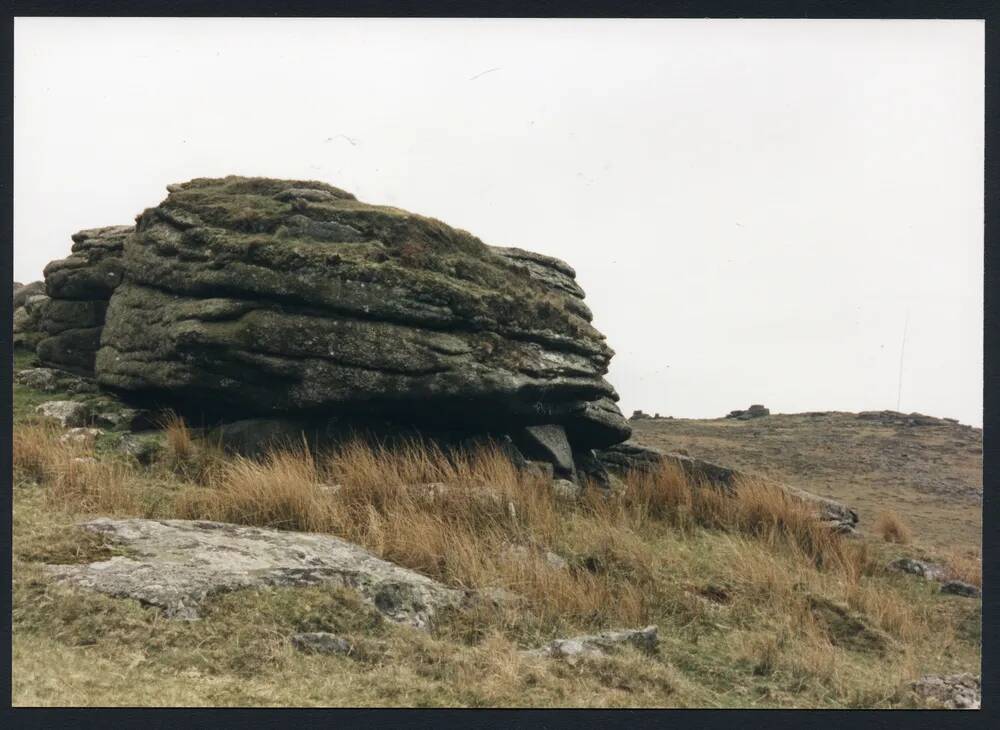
(321, 642)
(606, 642)
(954, 691)
(177, 564)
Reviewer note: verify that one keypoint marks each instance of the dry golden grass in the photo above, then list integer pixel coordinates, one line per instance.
(864, 464)
(965, 565)
(892, 528)
(728, 578)
(74, 478)
(37, 450)
(454, 516)
(180, 442)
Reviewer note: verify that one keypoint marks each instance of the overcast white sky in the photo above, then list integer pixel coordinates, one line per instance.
(753, 207)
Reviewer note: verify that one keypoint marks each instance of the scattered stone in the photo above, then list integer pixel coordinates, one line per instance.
(565, 489)
(960, 588)
(930, 571)
(80, 436)
(177, 564)
(144, 449)
(953, 691)
(111, 414)
(49, 380)
(68, 413)
(321, 642)
(606, 642)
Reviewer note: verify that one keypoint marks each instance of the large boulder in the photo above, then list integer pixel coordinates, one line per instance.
(78, 289)
(254, 297)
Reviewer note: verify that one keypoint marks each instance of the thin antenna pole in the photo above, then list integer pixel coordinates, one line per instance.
(902, 349)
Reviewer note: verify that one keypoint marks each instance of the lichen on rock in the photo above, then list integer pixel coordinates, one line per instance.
(259, 297)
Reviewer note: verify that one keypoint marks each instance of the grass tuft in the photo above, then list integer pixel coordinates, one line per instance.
(892, 528)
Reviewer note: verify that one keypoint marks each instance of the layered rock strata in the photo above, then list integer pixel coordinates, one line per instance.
(78, 288)
(253, 296)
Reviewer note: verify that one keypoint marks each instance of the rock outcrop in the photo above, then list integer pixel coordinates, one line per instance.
(29, 303)
(78, 289)
(176, 564)
(23, 291)
(258, 297)
(754, 411)
(895, 418)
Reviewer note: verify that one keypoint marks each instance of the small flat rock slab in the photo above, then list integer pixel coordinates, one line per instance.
(606, 642)
(960, 588)
(177, 564)
(321, 642)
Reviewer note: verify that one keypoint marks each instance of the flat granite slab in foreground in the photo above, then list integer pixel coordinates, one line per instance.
(177, 564)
